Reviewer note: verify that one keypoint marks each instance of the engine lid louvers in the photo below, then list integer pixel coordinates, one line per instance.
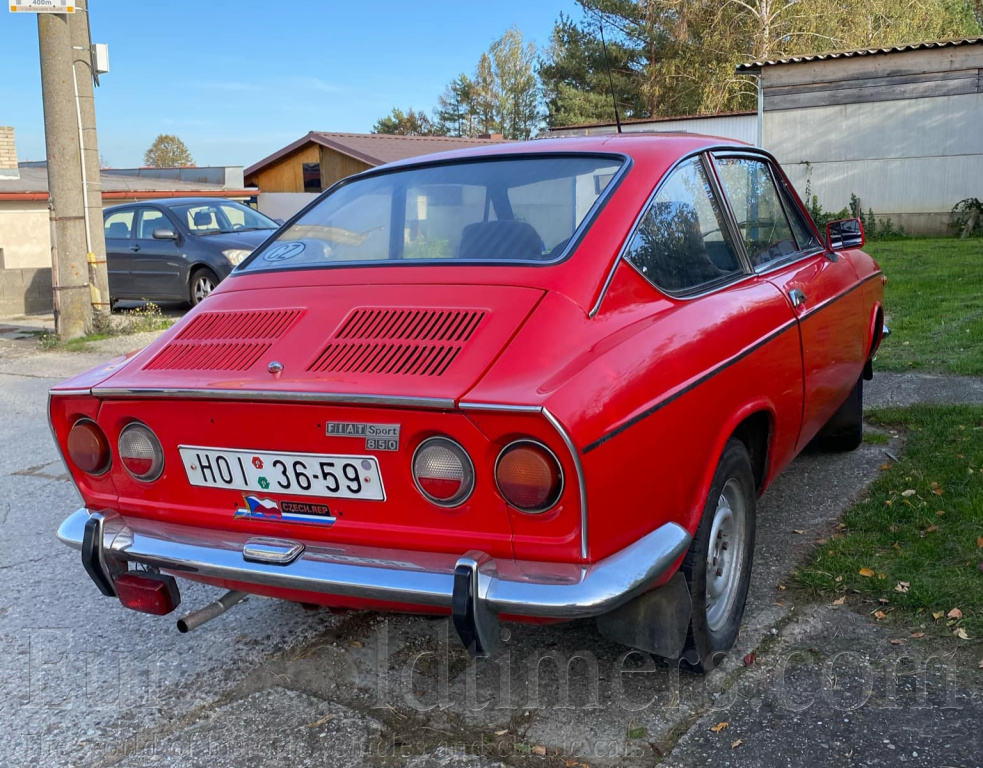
(224, 341)
(414, 342)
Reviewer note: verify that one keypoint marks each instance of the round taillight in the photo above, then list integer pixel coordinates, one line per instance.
(140, 452)
(529, 476)
(88, 447)
(443, 472)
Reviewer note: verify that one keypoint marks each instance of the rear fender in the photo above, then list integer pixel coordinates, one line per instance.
(727, 430)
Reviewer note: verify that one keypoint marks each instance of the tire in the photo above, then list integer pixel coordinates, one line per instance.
(717, 566)
(203, 282)
(845, 430)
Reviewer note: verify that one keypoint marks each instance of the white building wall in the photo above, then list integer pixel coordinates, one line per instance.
(902, 131)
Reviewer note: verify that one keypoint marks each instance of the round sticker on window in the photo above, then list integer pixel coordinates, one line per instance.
(283, 251)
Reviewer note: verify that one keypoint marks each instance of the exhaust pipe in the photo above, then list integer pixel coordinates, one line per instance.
(195, 619)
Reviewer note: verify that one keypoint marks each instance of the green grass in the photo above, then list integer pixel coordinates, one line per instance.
(934, 305)
(901, 536)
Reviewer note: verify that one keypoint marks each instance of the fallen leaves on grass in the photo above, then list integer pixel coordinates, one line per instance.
(961, 634)
(979, 542)
(840, 600)
(917, 635)
(937, 489)
(938, 615)
(539, 749)
(720, 727)
(955, 613)
(736, 744)
(909, 492)
(866, 572)
(896, 641)
(880, 615)
(930, 529)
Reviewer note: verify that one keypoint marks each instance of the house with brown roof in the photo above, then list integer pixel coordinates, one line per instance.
(316, 161)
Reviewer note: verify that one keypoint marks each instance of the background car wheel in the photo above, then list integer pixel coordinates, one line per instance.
(717, 566)
(845, 431)
(203, 282)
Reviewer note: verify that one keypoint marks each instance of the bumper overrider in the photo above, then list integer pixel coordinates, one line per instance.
(475, 587)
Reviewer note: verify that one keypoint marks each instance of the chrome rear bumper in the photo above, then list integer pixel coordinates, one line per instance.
(475, 587)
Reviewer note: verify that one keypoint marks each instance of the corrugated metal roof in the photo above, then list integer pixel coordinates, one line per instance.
(752, 65)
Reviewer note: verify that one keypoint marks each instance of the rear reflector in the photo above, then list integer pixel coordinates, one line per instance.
(443, 472)
(529, 476)
(155, 593)
(88, 447)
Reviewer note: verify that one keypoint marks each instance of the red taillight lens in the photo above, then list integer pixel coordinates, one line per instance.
(88, 447)
(529, 476)
(443, 472)
(140, 452)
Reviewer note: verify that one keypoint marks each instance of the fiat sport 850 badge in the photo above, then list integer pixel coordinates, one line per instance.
(378, 437)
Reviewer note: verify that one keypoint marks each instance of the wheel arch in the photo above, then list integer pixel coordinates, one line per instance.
(753, 425)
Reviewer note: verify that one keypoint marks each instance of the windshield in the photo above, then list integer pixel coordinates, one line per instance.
(511, 209)
(220, 217)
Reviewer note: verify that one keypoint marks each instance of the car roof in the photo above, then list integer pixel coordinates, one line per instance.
(636, 145)
(172, 202)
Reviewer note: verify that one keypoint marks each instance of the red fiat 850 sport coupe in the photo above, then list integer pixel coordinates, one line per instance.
(535, 382)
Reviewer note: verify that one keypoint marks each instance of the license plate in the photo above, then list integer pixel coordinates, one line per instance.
(297, 474)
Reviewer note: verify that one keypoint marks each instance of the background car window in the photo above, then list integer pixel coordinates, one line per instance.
(151, 219)
(119, 224)
(681, 243)
(212, 218)
(753, 198)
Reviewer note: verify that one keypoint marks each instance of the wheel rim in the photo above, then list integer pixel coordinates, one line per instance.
(725, 554)
(203, 287)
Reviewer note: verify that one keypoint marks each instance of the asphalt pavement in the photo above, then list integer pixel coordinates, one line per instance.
(84, 682)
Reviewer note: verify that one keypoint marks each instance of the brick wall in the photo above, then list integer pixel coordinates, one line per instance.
(25, 291)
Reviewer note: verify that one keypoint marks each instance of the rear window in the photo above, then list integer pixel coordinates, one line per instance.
(503, 210)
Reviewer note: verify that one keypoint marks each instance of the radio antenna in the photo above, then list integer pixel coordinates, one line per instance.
(607, 64)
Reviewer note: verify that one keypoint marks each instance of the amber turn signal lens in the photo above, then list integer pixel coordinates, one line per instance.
(140, 452)
(88, 447)
(529, 476)
(443, 472)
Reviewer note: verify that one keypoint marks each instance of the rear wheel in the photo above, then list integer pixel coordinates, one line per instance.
(203, 282)
(845, 430)
(717, 566)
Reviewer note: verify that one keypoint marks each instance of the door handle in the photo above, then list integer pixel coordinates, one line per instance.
(135, 247)
(798, 297)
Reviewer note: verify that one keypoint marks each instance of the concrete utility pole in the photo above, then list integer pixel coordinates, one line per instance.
(92, 192)
(70, 270)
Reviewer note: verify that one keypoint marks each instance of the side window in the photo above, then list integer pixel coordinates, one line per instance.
(807, 241)
(748, 184)
(151, 219)
(681, 243)
(119, 225)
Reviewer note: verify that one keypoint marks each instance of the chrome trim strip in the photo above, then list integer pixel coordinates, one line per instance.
(557, 590)
(68, 392)
(505, 407)
(580, 478)
(439, 403)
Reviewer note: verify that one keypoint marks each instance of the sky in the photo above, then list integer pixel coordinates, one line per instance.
(239, 79)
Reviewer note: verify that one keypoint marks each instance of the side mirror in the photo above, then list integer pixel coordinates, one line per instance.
(164, 233)
(845, 233)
